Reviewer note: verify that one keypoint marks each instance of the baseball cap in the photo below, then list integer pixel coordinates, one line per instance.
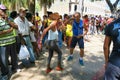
(2, 7)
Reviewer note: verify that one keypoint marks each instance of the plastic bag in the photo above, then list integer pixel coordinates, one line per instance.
(24, 53)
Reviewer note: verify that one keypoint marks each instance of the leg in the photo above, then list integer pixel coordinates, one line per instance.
(57, 49)
(30, 49)
(4, 61)
(81, 46)
(81, 52)
(49, 58)
(112, 72)
(73, 44)
(13, 55)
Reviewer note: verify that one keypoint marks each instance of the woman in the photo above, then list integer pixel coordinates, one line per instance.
(69, 33)
(52, 42)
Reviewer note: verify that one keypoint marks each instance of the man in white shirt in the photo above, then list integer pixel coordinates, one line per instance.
(24, 32)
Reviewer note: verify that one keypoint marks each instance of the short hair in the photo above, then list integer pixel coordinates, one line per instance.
(78, 13)
(29, 16)
(13, 14)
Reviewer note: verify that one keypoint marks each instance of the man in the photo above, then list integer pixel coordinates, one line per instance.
(7, 39)
(112, 61)
(24, 32)
(77, 37)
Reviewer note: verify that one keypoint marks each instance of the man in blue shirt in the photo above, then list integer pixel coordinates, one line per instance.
(77, 37)
(112, 61)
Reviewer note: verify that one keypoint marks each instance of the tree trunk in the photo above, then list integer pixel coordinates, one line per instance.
(113, 7)
(31, 6)
(45, 9)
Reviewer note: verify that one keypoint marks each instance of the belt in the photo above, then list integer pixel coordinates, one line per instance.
(25, 35)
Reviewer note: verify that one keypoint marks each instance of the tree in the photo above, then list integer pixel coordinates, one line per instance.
(46, 4)
(31, 6)
(113, 7)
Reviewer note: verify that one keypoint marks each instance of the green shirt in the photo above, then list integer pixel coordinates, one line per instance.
(8, 38)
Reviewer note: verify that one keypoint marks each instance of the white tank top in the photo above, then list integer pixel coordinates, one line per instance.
(53, 35)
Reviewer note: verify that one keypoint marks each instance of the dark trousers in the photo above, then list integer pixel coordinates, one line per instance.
(4, 60)
(54, 47)
(11, 50)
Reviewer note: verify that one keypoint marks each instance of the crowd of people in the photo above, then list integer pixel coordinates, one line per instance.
(25, 28)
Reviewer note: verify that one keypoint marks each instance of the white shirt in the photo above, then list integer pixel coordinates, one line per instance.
(23, 27)
(32, 35)
(53, 35)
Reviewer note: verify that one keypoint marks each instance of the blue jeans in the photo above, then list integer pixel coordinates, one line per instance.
(45, 38)
(30, 49)
(112, 72)
(60, 39)
(4, 60)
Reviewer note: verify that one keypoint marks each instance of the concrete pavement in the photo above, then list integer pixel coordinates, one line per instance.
(92, 70)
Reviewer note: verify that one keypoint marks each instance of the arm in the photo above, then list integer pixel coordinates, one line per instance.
(6, 31)
(12, 24)
(106, 48)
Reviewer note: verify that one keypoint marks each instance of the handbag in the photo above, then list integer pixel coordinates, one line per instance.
(24, 53)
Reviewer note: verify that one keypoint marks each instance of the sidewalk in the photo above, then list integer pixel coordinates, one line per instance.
(93, 68)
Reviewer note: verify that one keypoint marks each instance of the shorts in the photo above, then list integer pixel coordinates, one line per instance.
(75, 40)
(112, 72)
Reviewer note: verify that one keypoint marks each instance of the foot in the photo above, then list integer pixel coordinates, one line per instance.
(81, 62)
(16, 70)
(4, 77)
(59, 68)
(70, 58)
(48, 70)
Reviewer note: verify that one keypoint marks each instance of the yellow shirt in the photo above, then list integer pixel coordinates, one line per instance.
(38, 20)
(69, 31)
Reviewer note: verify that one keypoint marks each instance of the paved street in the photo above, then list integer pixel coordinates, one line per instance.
(92, 70)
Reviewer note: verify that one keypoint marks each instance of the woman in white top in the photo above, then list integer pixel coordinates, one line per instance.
(52, 42)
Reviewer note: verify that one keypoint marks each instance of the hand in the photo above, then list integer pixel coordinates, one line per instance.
(23, 42)
(105, 65)
(80, 36)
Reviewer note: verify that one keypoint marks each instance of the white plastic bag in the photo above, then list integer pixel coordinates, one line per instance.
(24, 53)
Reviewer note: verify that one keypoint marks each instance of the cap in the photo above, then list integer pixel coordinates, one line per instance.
(2, 7)
(23, 9)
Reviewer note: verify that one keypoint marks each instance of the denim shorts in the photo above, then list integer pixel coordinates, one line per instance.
(76, 40)
(112, 72)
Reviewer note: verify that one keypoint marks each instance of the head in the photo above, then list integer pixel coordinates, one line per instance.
(2, 10)
(45, 17)
(86, 17)
(13, 14)
(49, 14)
(37, 14)
(77, 16)
(22, 12)
(29, 16)
(55, 16)
(66, 16)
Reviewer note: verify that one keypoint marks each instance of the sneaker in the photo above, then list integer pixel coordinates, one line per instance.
(16, 70)
(81, 62)
(70, 58)
(4, 77)
(48, 70)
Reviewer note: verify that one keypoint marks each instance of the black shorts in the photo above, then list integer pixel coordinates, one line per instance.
(76, 40)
